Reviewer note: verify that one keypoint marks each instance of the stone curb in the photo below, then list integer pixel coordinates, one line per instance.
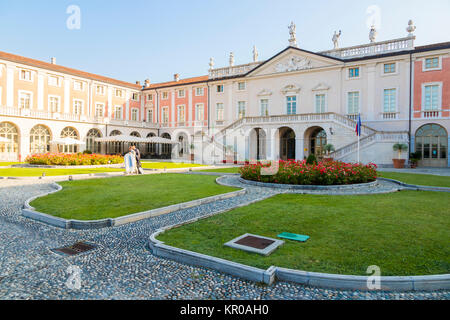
(29, 212)
(417, 187)
(314, 279)
(309, 187)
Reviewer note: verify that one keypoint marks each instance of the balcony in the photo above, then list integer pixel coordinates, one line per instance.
(431, 114)
(376, 48)
(389, 115)
(37, 114)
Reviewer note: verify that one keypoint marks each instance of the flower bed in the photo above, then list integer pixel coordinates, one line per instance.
(301, 173)
(75, 159)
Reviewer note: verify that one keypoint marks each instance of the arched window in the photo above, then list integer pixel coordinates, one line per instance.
(70, 132)
(40, 139)
(166, 148)
(151, 147)
(91, 144)
(183, 145)
(318, 142)
(137, 135)
(9, 151)
(431, 144)
(115, 147)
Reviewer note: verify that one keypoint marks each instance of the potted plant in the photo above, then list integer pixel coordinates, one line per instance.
(399, 147)
(329, 148)
(192, 147)
(414, 158)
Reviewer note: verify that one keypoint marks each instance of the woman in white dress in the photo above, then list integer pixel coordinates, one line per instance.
(130, 162)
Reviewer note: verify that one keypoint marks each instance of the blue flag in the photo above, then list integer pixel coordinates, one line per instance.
(358, 126)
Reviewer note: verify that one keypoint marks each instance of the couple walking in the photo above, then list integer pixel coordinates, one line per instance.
(133, 161)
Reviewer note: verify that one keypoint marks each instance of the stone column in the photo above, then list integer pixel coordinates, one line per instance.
(299, 148)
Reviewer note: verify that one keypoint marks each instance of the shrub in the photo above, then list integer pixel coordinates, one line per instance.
(311, 159)
(302, 173)
(79, 159)
(87, 152)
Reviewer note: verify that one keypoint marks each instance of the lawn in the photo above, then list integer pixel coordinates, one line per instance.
(405, 233)
(37, 172)
(223, 170)
(113, 197)
(168, 165)
(6, 164)
(417, 179)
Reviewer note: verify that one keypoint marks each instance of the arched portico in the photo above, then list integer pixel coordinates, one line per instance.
(287, 143)
(9, 148)
(258, 144)
(315, 140)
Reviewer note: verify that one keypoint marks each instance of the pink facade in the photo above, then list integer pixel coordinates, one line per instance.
(422, 77)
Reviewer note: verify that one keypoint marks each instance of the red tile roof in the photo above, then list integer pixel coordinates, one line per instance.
(178, 83)
(62, 69)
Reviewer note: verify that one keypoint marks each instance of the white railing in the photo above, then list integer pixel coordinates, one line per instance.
(374, 137)
(431, 114)
(372, 48)
(389, 115)
(38, 114)
(232, 70)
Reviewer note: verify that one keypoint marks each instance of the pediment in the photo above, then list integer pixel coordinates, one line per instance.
(292, 60)
(265, 92)
(321, 87)
(290, 88)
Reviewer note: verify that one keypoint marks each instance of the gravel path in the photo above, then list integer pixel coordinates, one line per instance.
(122, 267)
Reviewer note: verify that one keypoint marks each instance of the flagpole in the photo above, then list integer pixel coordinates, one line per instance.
(358, 147)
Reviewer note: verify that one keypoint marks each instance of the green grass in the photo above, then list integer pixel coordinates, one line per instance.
(168, 165)
(119, 196)
(6, 164)
(224, 170)
(418, 179)
(36, 172)
(405, 233)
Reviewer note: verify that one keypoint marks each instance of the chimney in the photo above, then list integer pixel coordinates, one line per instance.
(53, 60)
(176, 77)
(138, 83)
(147, 83)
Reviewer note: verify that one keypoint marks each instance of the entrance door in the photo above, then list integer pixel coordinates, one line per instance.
(287, 145)
(432, 146)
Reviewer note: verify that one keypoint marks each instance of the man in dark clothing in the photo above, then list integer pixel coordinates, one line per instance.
(138, 159)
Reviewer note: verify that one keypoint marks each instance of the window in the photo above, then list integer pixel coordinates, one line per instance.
(220, 88)
(353, 103)
(199, 112)
(99, 107)
(150, 97)
(180, 114)
(53, 104)
(353, 73)
(77, 107)
(119, 93)
(181, 93)
(134, 114)
(165, 95)
(25, 75)
(241, 86)
(135, 96)
(39, 139)
(150, 115)
(219, 112)
(264, 107)
(53, 81)
(241, 109)
(25, 100)
(118, 112)
(320, 103)
(78, 85)
(199, 92)
(100, 90)
(291, 105)
(389, 68)
(432, 97)
(390, 100)
(165, 115)
(432, 63)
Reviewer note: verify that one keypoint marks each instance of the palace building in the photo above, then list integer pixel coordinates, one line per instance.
(286, 107)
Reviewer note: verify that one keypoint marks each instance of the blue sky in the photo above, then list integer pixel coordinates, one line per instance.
(134, 40)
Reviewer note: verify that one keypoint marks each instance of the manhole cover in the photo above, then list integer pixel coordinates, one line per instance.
(75, 249)
(255, 242)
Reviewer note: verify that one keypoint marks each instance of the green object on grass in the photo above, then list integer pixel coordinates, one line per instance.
(293, 236)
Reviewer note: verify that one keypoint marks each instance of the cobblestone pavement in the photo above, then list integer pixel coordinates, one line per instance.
(121, 267)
